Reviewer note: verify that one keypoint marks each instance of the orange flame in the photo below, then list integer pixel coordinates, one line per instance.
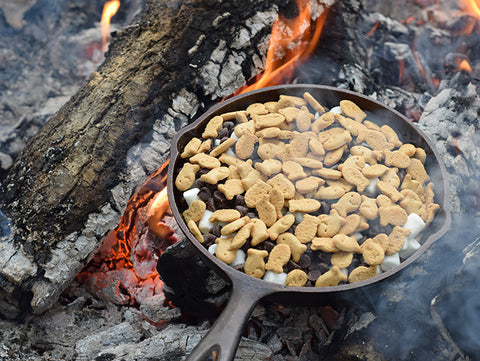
(291, 41)
(464, 65)
(158, 208)
(472, 7)
(109, 9)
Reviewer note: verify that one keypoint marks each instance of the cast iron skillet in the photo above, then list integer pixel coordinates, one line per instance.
(222, 339)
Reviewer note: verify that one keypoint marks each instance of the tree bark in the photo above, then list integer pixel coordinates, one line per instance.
(59, 195)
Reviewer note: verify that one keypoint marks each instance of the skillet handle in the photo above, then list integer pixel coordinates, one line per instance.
(221, 341)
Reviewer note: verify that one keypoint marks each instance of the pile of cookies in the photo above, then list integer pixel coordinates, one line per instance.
(296, 194)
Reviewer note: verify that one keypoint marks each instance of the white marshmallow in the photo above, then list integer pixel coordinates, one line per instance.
(415, 224)
(358, 236)
(191, 195)
(371, 189)
(390, 262)
(230, 151)
(205, 225)
(298, 217)
(274, 277)
(409, 247)
(336, 110)
(239, 258)
(216, 142)
(213, 248)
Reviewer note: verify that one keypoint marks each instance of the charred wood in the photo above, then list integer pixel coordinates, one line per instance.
(71, 182)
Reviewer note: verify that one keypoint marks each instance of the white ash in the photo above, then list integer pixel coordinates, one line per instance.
(354, 76)
(70, 256)
(209, 76)
(186, 103)
(153, 309)
(395, 26)
(454, 112)
(219, 53)
(256, 24)
(260, 21)
(175, 342)
(122, 333)
(231, 77)
(18, 265)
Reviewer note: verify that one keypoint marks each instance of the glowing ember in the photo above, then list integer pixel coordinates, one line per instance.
(291, 41)
(124, 269)
(465, 66)
(109, 10)
(372, 30)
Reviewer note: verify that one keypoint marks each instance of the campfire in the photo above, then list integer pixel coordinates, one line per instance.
(86, 223)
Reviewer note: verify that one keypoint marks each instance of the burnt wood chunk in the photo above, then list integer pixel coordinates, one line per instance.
(71, 182)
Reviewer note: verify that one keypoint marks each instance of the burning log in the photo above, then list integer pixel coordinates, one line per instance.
(72, 181)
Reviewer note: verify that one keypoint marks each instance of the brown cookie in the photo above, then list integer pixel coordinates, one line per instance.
(278, 257)
(296, 247)
(331, 278)
(255, 262)
(281, 226)
(296, 278)
(307, 228)
(186, 176)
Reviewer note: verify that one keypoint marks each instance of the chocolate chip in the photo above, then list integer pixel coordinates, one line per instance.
(291, 266)
(243, 210)
(252, 215)
(204, 194)
(325, 208)
(313, 275)
(304, 261)
(361, 240)
(202, 171)
(240, 200)
(229, 125)
(354, 264)
(222, 133)
(199, 183)
(211, 205)
(267, 245)
(216, 230)
(323, 256)
(220, 201)
(209, 239)
(247, 246)
(374, 229)
(323, 267)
